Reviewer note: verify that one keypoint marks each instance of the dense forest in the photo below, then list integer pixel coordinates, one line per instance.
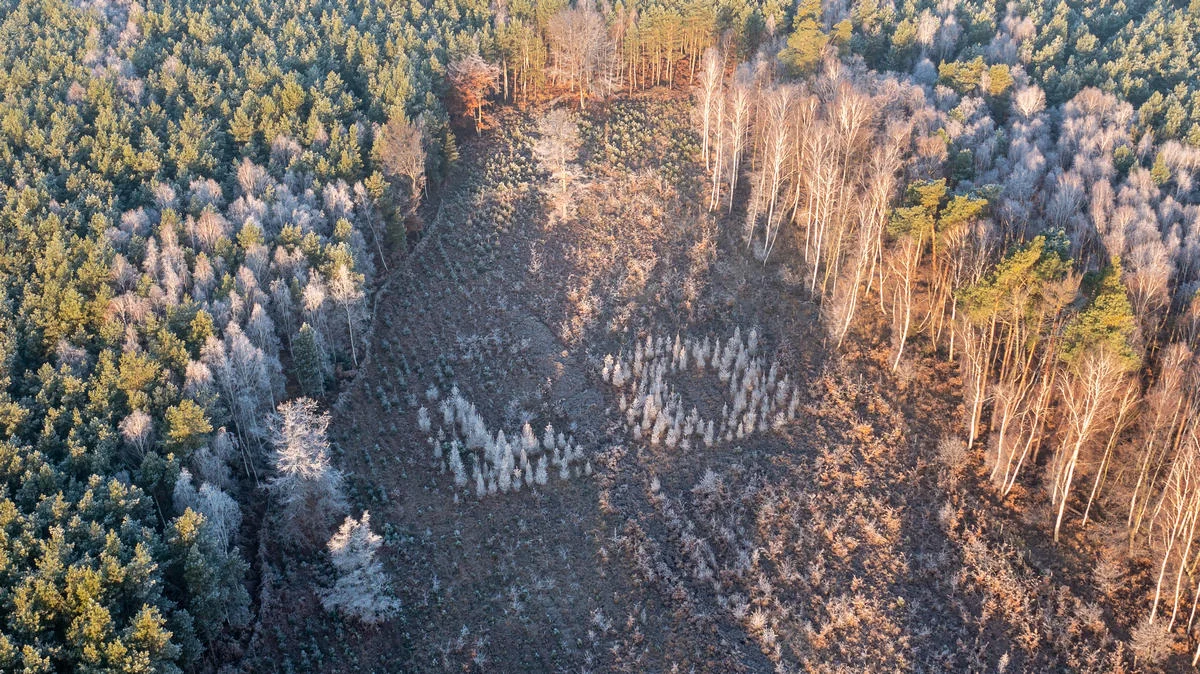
(310, 307)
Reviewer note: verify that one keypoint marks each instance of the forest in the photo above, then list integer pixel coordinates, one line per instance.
(595, 335)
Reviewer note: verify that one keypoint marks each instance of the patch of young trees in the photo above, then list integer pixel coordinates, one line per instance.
(758, 397)
(489, 462)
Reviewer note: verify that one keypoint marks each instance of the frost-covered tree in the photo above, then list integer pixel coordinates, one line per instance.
(362, 589)
(211, 461)
(138, 430)
(557, 144)
(205, 557)
(456, 464)
(222, 516)
(399, 149)
(306, 486)
(347, 293)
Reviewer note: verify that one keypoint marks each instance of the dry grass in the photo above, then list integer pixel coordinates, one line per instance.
(848, 537)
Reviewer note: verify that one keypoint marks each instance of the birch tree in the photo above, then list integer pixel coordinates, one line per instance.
(740, 107)
(306, 486)
(709, 92)
(1098, 356)
(578, 42)
(347, 294)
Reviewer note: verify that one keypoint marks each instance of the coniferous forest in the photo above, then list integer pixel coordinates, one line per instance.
(595, 336)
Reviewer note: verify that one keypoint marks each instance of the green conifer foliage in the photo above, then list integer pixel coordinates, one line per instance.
(1106, 322)
(308, 362)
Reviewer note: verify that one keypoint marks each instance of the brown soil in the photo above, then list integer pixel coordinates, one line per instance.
(843, 543)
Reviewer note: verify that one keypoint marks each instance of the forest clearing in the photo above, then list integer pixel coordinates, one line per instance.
(650, 336)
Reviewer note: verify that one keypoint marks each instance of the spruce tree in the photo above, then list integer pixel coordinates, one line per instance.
(308, 362)
(361, 590)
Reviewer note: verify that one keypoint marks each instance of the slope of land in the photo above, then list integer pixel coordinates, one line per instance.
(852, 537)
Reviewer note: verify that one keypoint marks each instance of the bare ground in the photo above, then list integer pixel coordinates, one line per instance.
(845, 542)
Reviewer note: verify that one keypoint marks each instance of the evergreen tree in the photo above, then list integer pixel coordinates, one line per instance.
(361, 590)
(806, 44)
(1107, 321)
(308, 362)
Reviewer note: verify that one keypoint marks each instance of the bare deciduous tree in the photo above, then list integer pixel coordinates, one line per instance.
(471, 80)
(558, 144)
(776, 146)
(740, 106)
(1090, 390)
(578, 45)
(399, 149)
(346, 292)
(137, 429)
(709, 92)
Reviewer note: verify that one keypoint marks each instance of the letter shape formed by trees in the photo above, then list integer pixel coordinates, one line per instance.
(361, 589)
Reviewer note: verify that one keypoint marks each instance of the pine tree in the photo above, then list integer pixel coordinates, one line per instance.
(187, 427)
(480, 487)
(805, 46)
(456, 464)
(205, 559)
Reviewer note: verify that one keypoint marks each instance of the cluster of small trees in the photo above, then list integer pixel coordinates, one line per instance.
(496, 463)
(757, 397)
